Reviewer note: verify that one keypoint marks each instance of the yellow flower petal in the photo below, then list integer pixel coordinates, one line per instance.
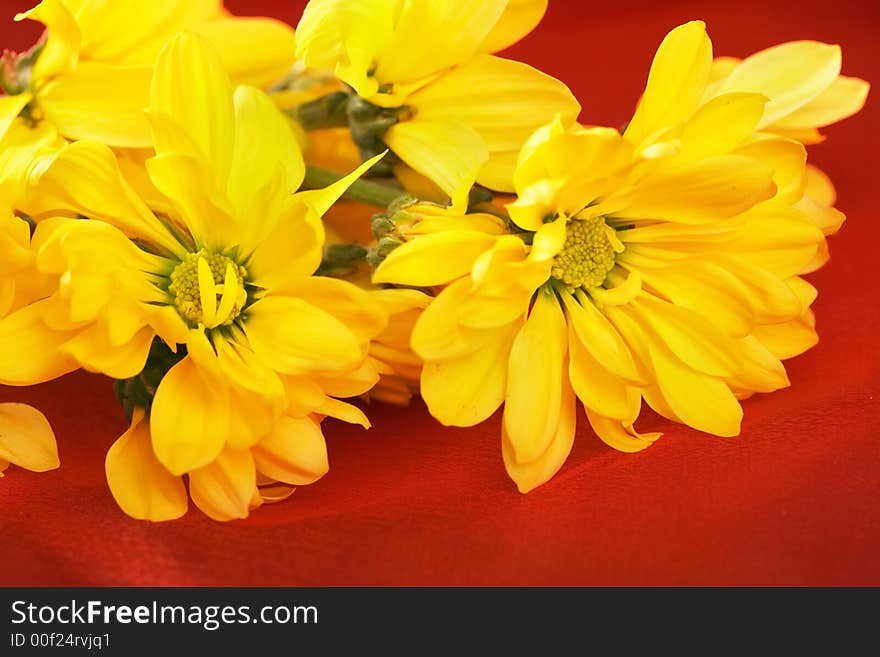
(140, 484)
(204, 111)
(322, 199)
(223, 489)
(60, 54)
(85, 177)
(265, 147)
(534, 381)
(678, 78)
(437, 334)
(363, 315)
(721, 125)
(519, 18)
(843, 98)
(451, 154)
(294, 452)
(790, 75)
(700, 401)
(345, 36)
(93, 350)
(596, 387)
(194, 199)
(297, 337)
(258, 51)
(26, 439)
(10, 108)
(465, 390)
(694, 340)
(100, 102)
(761, 371)
(713, 188)
(601, 339)
(29, 350)
(290, 250)
(502, 100)
(429, 37)
(130, 32)
(341, 410)
(529, 476)
(434, 259)
(189, 420)
(620, 436)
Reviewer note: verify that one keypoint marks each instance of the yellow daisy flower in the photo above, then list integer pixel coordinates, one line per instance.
(428, 89)
(659, 265)
(89, 78)
(218, 259)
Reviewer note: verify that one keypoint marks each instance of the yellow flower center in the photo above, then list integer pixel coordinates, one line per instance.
(587, 255)
(208, 289)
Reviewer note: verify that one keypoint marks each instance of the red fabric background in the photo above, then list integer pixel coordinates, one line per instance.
(792, 501)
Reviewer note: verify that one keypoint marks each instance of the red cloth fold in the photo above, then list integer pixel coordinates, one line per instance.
(792, 501)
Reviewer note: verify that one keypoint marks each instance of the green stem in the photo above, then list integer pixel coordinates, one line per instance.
(361, 190)
(328, 111)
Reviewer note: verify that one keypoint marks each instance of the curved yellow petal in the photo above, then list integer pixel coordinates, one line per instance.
(601, 339)
(190, 85)
(101, 102)
(29, 350)
(762, 371)
(354, 307)
(295, 337)
(434, 259)
(596, 387)
(346, 412)
(698, 192)
(194, 199)
(529, 476)
(502, 100)
(676, 83)
(697, 342)
(700, 401)
(93, 350)
(534, 381)
(290, 249)
(140, 484)
(519, 18)
(61, 52)
(84, 177)
(254, 50)
(790, 75)
(223, 489)
(465, 390)
(346, 36)
(322, 199)
(619, 435)
(429, 37)
(843, 98)
(265, 147)
(26, 439)
(451, 154)
(437, 334)
(189, 419)
(294, 452)
(10, 108)
(721, 125)
(129, 32)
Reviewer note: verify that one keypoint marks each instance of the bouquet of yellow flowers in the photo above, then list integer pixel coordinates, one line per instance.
(250, 230)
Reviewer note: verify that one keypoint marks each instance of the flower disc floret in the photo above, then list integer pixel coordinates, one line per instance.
(587, 255)
(188, 287)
